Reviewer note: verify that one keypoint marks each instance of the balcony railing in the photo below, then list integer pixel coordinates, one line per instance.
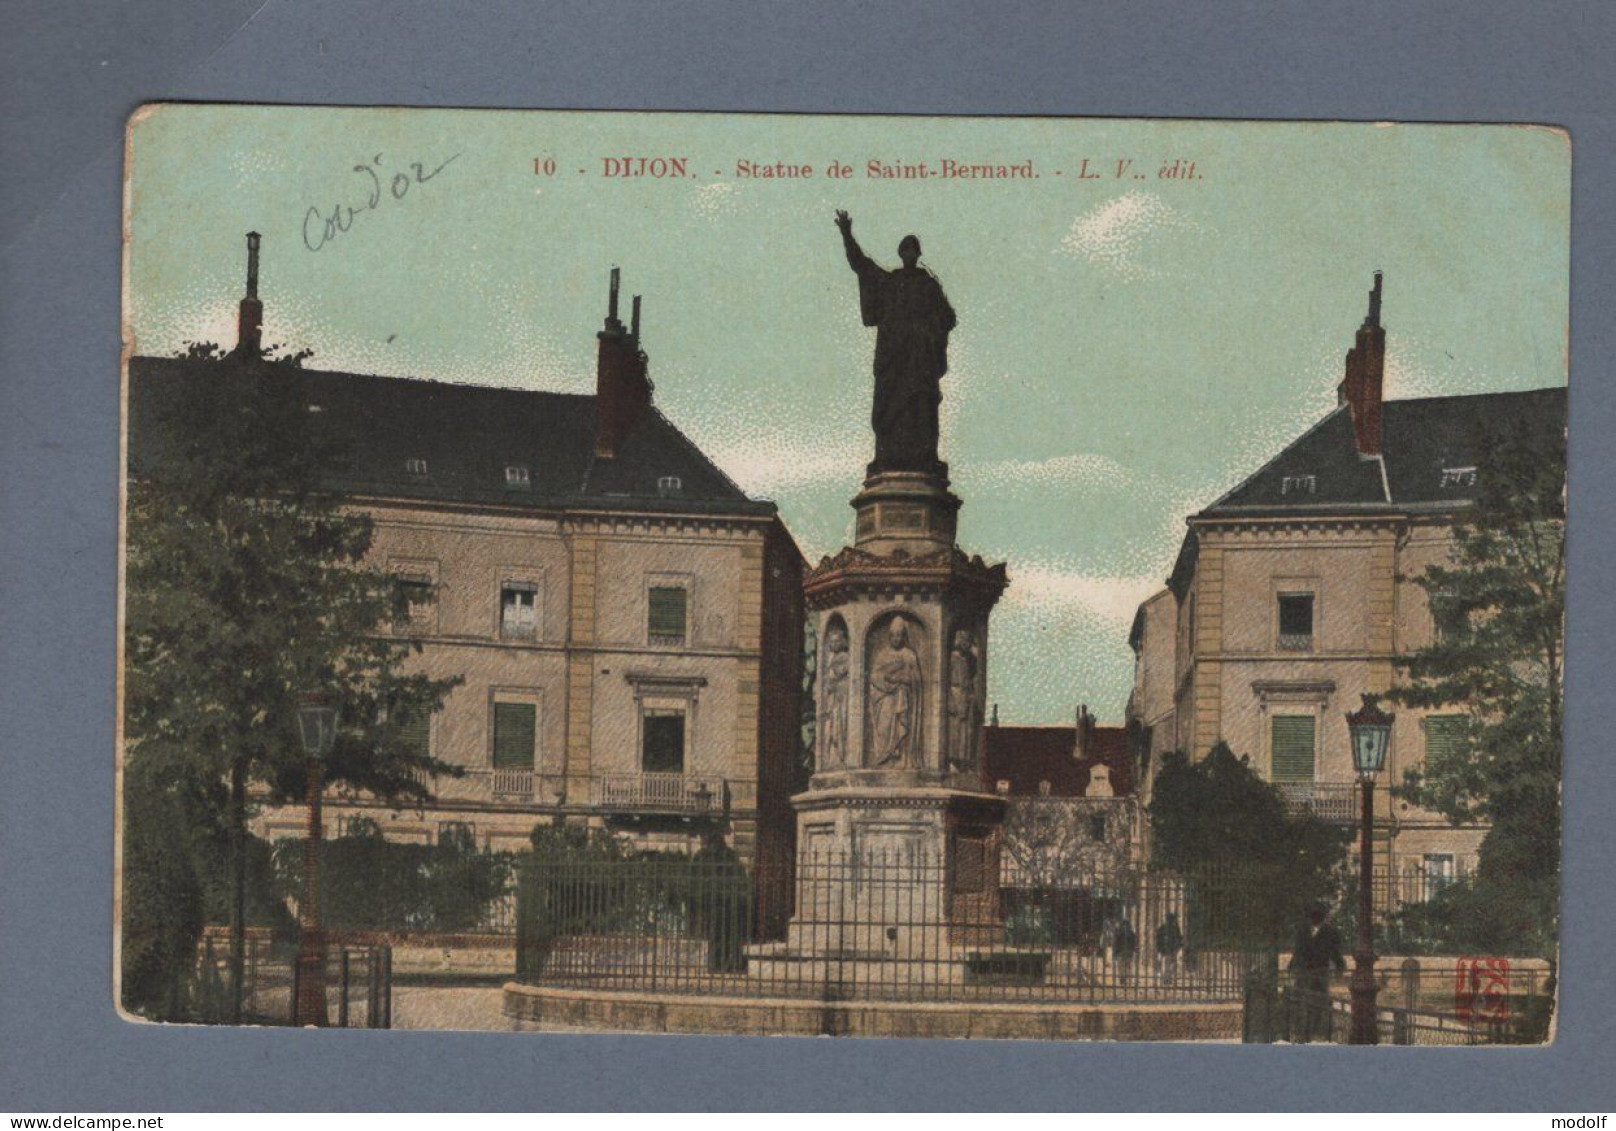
(658, 793)
(620, 792)
(1296, 641)
(1330, 801)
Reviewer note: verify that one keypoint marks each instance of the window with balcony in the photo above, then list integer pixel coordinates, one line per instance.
(667, 614)
(662, 740)
(1296, 622)
(516, 727)
(1292, 750)
(518, 610)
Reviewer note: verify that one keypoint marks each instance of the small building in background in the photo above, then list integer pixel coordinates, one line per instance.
(1072, 828)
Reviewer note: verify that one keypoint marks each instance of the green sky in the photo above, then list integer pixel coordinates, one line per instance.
(1128, 348)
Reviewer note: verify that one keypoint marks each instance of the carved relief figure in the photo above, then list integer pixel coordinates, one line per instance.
(964, 701)
(894, 701)
(836, 666)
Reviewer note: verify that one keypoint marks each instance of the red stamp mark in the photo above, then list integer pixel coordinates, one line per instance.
(1481, 989)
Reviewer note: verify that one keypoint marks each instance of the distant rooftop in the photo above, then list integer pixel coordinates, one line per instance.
(1027, 756)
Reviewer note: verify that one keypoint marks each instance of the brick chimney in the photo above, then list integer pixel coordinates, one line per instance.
(1085, 733)
(622, 388)
(250, 321)
(1360, 389)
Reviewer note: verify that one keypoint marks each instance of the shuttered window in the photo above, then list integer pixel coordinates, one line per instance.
(1444, 740)
(515, 726)
(415, 732)
(1293, 748)
(667, 615)
(662, 749)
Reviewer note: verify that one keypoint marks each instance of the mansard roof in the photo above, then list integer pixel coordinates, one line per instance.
(1428, 444)
(1431, 449)
(439, 442)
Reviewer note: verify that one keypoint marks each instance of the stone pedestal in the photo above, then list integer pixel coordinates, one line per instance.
(897, 843)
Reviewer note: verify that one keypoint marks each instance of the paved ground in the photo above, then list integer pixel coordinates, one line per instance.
(449, 1007)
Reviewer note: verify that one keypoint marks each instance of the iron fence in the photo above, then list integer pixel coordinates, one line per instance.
(875, 926)
(359, 983)
(1304, 1012)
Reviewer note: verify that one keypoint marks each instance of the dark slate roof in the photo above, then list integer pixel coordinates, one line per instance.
(1025, 756)
(467, 434)
(1420, 439)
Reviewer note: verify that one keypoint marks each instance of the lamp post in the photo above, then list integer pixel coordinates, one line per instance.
(1371, 731)
(317, 727)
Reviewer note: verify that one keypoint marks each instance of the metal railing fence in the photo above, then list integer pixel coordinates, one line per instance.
(883, 926)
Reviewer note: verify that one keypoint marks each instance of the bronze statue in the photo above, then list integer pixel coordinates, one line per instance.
(913, 321)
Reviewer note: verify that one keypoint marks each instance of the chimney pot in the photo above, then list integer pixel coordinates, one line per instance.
(250, 318)
(622, 386)
(1362, 388)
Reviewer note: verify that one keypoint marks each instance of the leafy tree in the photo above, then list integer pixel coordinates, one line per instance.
(1496, 665)
(1257, 868)
(245, 585)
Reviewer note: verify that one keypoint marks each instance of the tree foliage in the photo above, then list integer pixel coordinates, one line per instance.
(245, 585)
(1497, 665)
(1217, 817)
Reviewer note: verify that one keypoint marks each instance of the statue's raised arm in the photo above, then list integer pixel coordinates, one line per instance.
(913, 319)
(856, 259)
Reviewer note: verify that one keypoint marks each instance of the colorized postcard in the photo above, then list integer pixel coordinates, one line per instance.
(953, 577)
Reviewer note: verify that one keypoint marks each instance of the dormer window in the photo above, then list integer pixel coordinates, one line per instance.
(415, 467)
(669, 486)
(1298, 484)
(1458, 477)
(517, 477)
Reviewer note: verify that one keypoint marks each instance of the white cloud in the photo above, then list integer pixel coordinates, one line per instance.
(763, 462)
(1115, 234)
(720, 198)
(1063, 589)
(1080, 469)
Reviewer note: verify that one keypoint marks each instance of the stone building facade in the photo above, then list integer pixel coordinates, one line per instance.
(1294, 592)
(627, 622)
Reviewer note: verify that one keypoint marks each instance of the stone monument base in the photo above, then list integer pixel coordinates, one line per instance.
(893, 882)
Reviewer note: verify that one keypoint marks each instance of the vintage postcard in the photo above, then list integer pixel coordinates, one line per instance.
(858, 576)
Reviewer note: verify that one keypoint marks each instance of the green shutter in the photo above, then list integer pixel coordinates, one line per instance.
(515, 725)
(667, 618)
(1293, 748)
(415, 732)
(1444, 739)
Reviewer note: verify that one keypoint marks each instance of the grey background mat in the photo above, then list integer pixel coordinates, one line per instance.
(71, 72)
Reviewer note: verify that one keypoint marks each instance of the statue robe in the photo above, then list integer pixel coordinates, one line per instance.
(894, 706)
(913, 319)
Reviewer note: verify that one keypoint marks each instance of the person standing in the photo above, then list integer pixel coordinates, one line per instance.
(1169, 942)
(1316, 953)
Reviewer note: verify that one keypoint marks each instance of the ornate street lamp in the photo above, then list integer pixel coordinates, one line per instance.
(1371, 731)
(317, 727)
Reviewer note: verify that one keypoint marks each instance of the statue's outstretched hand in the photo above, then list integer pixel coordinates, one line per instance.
(844, 221)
